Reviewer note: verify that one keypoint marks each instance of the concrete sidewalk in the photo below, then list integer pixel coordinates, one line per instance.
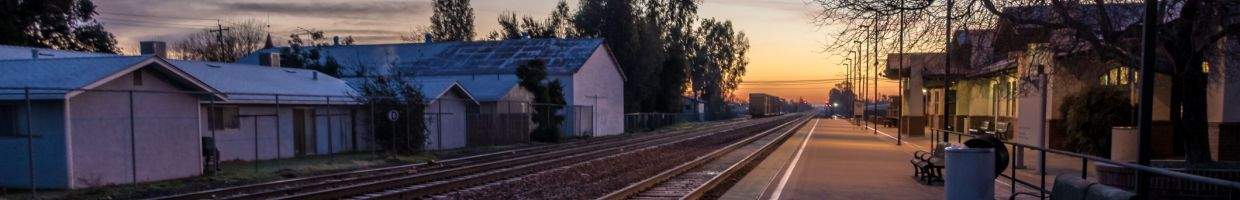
(1055, 165)
(832, 159)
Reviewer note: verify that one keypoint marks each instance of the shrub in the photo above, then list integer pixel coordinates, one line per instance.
(1090, 115)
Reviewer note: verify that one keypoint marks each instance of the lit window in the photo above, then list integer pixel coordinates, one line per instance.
(1205, 67)
(1115, 76)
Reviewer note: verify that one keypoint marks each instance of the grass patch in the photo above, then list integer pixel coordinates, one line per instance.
(243, 173)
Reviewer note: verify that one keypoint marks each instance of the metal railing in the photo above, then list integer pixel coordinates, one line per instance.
(944, 136)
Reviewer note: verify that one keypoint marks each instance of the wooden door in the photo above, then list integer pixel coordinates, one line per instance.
(303, 132)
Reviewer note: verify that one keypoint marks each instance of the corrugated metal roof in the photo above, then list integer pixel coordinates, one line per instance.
(563, 56)
(62, 72)
(22, 53)
(482, 87)
(258, 84)
(430, 89)
(54, 78)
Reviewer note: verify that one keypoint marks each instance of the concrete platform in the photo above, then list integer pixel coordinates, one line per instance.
(832, 159)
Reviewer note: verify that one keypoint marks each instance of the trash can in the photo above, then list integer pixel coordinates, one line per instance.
(970, 173)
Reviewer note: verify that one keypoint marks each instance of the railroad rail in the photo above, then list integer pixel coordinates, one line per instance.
(694, 179)
(295, 185)
(426, 184)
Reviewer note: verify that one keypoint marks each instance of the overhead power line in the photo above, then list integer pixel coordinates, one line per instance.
(159, 17)
(149, 25)
(170, 24)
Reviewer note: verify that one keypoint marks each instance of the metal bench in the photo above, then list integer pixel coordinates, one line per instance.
(928, 166)
(1072, 187)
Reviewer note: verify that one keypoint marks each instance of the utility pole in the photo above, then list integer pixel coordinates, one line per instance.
(1144, 117)
(858, 86)
(219, 34)
(875, 67)
(947, 68)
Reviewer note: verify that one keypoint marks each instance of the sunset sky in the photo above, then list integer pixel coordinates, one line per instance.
(785, 44)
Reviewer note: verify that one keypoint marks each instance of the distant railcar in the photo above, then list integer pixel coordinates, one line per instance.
(765, 105)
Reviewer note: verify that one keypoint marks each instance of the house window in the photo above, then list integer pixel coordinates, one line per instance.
(1115, 76)
(222, 118)
(137, 77)
(8, 120)
(1205, 67)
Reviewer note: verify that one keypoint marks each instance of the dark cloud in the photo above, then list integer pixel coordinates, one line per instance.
(334, 9)
(782, 5)
(380, 9)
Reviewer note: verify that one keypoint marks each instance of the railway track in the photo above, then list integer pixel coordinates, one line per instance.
(426, 184)
(294, 185)
(588, 178)
(694, 179)
(324, 186)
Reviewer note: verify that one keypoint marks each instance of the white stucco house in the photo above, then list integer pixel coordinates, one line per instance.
(84, 136)
(272, 112)
(593, 81)
(109, 135)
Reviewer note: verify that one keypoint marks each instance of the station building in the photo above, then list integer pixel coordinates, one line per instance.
(995, 84)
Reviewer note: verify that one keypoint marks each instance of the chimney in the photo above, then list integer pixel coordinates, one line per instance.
(336, 40)
(157, 48)
(269, 59)
(315, 76)
(426, 38)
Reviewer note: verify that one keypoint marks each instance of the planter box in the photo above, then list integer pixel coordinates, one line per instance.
(1162, 187)
(1124, 144)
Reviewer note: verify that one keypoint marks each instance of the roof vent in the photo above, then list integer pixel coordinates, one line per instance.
(270, 59)
(213, 65)
(157, 48)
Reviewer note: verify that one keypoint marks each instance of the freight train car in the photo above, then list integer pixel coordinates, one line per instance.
(764, 105)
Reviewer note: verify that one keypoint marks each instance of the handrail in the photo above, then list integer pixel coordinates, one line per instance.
(1154, 170)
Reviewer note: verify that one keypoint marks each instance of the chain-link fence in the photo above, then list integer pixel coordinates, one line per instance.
(75, 138)
(639, 122)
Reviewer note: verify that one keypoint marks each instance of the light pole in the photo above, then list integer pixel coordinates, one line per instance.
(947, 68)
(858, 93)
(1144, 110)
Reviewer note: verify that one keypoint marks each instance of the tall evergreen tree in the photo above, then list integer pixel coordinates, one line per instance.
(719, 63)
(453, 20)
(548, 100)
(57, 24)
(616, 21)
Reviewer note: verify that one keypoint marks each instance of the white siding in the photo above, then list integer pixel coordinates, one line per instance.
(599, 80)
(167, 143)
(445, 122)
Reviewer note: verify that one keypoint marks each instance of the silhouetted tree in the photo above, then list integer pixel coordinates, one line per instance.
(59, 24)
(304, 51)
(242, 38)
(453, 20)
(394, 93)
(719, 63)
(548, 100)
